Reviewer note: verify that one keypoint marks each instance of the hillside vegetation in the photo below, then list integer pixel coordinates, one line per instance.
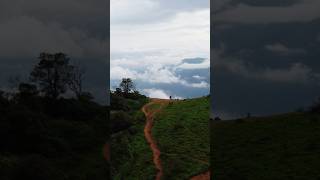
(131, 156)
(181, 130)
(285, 147)
(50, 129)
(52, 139)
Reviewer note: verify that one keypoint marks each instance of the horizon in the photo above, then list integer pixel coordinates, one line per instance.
(259, 65)
(163, 47)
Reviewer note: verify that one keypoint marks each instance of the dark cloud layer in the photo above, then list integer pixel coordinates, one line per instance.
(261, 64)
(193, 60)
(78, 28)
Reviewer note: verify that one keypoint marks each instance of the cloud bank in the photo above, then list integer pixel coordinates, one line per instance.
(150, 42)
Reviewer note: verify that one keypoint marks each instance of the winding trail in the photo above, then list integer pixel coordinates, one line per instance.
(106, 151)
(202, 176)
(149, 113)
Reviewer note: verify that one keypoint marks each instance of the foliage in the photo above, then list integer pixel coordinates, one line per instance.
(127, 86)
(75, 82)
(51, 137)
(276, 147)
(53, 73)
(315, 107)
(182, 133)
(132, 154)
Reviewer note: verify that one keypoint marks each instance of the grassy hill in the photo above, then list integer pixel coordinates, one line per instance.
(131, 156)
(282, 147)
(181, 130)
(52, 139)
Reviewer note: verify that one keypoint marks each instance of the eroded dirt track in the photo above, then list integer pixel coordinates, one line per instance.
(150, 113)
(203, 176)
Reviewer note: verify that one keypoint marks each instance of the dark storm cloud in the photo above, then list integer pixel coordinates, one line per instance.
(193, 60)
(75, 27)
(71, 13)
(78, 28)
(264, 57)
(244, 12)
(265, 3)
(223, 5)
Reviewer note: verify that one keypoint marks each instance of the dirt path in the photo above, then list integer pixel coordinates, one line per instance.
(149, 113)
(106, 152)
(203, 176)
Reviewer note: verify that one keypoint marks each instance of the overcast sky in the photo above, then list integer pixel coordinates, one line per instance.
(164, 46)
(78, 28)
(265, 56)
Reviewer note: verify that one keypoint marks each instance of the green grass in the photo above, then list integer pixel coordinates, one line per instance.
(154, 107)
(131, 155)
(135, 161)
(83, 157)
(182, 133)
(284, 147)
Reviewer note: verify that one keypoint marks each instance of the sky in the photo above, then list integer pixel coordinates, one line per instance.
(265, 56)
(164, 46)
(78, 28)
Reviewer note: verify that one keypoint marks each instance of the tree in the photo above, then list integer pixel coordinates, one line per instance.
(118, 91)
(14, 82)
(53, 73)
(76, 80)
(26, 89)
(127, 85)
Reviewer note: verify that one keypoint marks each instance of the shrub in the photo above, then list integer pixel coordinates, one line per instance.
(36, 167)
(120, 121)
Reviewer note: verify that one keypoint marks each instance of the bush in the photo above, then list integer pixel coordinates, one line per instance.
(36, 167)
(118, 103)
(120, 121)
(315, 107)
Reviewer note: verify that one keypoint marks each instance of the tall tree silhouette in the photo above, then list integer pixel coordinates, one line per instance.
(127, 85)
(76, 80)
(53, 73)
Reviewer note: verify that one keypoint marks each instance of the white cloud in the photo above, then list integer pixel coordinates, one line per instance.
(151, 51)
(156, 93)
(118, 72)
(198, 77)
(185, 35)
(202, 84)
(159, 93)
(154, 75)
(124, 11)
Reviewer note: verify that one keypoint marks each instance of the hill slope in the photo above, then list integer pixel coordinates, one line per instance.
(131, 156)
(276, 147)
(50, 139)
(181, 130)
